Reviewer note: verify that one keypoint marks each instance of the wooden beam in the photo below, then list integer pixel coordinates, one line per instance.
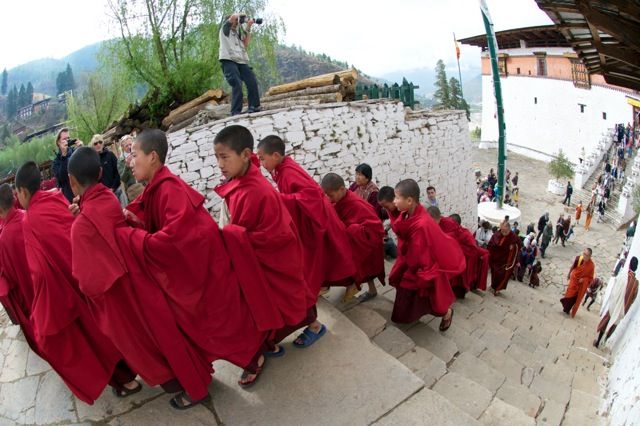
(622, 55)
(626, 6)
(622, 82)
(622, 29)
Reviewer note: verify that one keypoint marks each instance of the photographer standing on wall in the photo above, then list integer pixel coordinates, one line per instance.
(235, 35)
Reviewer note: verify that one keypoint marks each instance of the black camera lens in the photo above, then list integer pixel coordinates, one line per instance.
(259, 21)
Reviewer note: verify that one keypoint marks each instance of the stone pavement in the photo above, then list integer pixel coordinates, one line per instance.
(515, 359)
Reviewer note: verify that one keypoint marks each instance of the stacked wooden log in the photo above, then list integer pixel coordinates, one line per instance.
(185, 114)
(333, 87)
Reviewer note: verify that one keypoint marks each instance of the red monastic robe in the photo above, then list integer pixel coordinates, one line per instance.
(257, 211)
(66, 333)
(427, 260)
(182, 250)
(327, 253)
(477, 258)
(16, 287)
(503, 256)
(128, 306)
(366, 235)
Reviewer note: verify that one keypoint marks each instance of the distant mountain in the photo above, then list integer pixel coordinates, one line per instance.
(42, 73)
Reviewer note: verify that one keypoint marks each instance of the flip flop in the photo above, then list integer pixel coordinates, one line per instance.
(308, 337)
(277, 354)
(177, 401)
(445, 324)
(367, 296)
(124, 392)
(256, 376)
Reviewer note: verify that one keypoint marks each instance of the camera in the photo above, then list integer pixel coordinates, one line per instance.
(243, 19)
(71, 142)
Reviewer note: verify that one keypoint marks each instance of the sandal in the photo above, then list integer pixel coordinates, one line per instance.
(367, 296)
(446, 323)
(244, 382)
(124, 392)
(275, 354)
(350, 293)
(178, 401)
(308, 337)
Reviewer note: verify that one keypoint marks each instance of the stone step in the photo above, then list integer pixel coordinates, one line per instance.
(343, 379)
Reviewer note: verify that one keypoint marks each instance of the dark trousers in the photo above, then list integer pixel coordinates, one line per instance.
(567, 200)
(235, 74)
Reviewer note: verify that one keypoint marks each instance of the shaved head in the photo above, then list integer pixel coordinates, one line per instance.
(332, 182)
(409, 188)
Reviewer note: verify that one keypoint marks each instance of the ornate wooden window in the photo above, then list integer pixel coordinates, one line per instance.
(580, 75)
(541, 60)
(502, 64)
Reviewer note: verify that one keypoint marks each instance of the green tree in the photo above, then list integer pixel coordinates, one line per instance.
(560, 167)
(3, 87)
(29, 96)
(441, 96)
(12, 102)
(22, 96)
(65, 80)
(172, 46)
(16, 153)
(105, 99)
(455, 95)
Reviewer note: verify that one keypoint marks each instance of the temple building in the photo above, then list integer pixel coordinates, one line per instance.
(550, 98)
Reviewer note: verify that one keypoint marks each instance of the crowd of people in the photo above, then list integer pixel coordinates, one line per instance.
(160, 290)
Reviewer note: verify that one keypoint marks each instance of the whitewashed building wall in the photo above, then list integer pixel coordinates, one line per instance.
(623, 390)
(538, 130)
(432, 147)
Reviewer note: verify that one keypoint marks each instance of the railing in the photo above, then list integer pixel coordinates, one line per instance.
(403, 92)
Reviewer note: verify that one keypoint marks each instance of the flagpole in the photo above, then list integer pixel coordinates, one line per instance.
(455, 41)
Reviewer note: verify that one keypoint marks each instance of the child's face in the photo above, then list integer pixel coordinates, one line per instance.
(403, 203)
(142, 164)
(230, 162)
(387, 204)
(361, 180)
(337, 195)
(269, 161)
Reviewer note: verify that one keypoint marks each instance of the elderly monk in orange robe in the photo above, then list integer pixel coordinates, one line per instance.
(580, 276)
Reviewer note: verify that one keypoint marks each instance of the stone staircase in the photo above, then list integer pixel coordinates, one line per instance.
(508, 360)
(612, 217)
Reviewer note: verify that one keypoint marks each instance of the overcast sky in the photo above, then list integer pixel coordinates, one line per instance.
(376, 36)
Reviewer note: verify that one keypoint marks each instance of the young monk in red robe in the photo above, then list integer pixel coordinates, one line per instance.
(504, 248)
(580, 276)
(327, 253)
(128, 306)
(181, 248)
(259, 217)
(477, 258)
(66, 333)
(16, 288)
(364, 229)
(427, 260)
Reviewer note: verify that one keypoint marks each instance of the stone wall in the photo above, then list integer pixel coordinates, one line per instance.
(432, 147)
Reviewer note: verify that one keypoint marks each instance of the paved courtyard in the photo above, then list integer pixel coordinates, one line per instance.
(508, 360)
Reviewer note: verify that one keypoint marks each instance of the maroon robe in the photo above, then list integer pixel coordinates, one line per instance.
(181, 248)
(427, 260)
(477, 258)
(66, 333)
(16, 287)
(366, 235)
(129, 307)
(327, 253)
(273, 242)
(503, 256)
